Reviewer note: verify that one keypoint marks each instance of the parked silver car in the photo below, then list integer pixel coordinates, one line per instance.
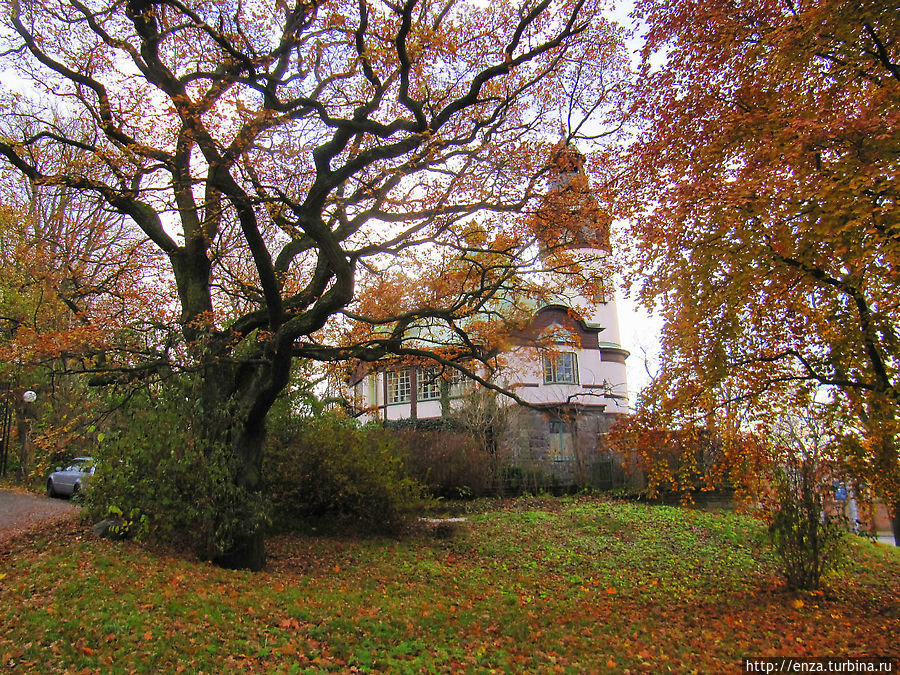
(72, 479)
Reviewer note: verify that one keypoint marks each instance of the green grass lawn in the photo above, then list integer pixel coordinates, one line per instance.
(571, 585)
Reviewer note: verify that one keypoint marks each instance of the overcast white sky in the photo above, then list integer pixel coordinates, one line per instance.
(640, 331)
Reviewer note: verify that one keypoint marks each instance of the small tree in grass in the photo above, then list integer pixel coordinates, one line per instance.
(806, 537)
(781, 452)
(807, 540)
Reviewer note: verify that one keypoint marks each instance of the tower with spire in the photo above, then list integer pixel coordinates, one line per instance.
(573, 371)
(568, 365)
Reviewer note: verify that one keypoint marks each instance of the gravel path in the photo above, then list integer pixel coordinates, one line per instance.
(19, 511)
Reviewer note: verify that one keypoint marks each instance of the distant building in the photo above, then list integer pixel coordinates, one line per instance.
(574, 381)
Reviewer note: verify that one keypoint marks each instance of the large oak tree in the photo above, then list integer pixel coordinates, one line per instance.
(324, 179)
(766, 208)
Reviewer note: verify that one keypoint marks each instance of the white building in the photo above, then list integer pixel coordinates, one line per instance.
(573, 382)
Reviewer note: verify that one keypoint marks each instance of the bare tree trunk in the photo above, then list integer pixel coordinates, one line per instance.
(247, 547)
(245, 409)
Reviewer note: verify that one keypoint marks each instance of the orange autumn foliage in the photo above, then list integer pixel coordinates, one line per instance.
(765, 208)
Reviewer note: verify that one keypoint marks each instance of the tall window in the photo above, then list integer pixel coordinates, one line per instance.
(428, 384)
(373, 390)
(561, 369)
(562, 447)
(398, 386)
(460, 385)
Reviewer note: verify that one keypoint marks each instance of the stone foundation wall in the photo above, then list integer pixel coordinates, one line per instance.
(562, 451)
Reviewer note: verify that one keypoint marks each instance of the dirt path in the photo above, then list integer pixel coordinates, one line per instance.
(19, 511)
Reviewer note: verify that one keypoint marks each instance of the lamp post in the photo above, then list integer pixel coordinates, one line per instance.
(6, 409)
(28, 399)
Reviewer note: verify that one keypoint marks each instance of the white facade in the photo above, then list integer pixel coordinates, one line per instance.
(406, 393)
(580, 364)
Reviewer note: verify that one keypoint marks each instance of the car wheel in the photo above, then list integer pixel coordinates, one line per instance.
(76, 492)
(51, 491)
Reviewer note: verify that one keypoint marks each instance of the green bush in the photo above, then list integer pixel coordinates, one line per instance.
(329, 465)
(162, 478)
(807, 541)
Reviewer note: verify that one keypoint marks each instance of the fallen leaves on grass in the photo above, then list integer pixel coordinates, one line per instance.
(582, 585)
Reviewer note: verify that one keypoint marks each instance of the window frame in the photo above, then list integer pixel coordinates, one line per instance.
(428, 384)
(561, 440)
(399, 387)
(553, 368)
(460, 384)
